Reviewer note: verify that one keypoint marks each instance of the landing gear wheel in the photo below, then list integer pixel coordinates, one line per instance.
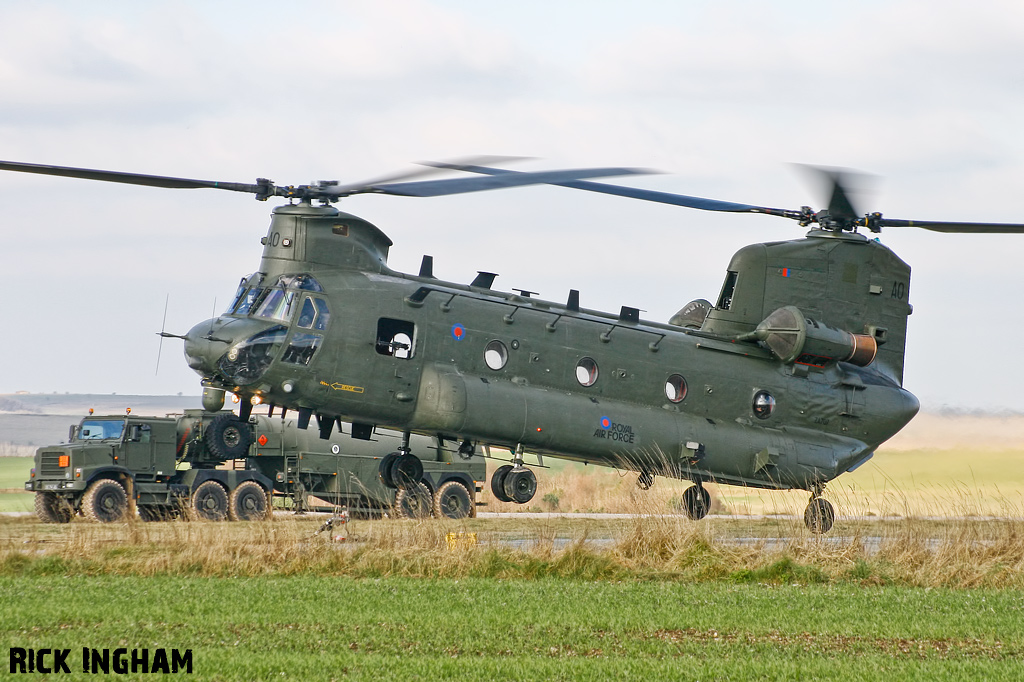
(384, 470)
(520, 484)
(52, 508)
(819, 515)
(248, 502)
(105, 501)
(413, 502)
(406, 470)
(645, 480)
(453, 501)
(498, 482)
(696, 502)
(210, 501)
(228, 437)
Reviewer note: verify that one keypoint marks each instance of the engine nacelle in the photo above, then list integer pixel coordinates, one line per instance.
(793, 337)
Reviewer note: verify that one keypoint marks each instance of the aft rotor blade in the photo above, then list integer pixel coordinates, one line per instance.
(944, 226)
(434, 188)
(128, 178)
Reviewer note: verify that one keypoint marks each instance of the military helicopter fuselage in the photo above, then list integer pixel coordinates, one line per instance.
(786, 401)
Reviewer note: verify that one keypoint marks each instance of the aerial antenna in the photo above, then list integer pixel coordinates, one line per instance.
(163, 327)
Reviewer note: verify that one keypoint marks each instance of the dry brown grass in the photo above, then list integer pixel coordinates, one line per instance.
(964, 553)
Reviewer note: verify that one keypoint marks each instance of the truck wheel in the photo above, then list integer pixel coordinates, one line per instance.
(453, 501)
(210, 501)
(248, 502)
(498, 482)
(228, 437)
(105, 501)
(52, 508)
(413, 502)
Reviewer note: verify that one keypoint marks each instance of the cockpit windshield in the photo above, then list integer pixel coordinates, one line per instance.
(100, 429)
(249, 292)
(281, 300)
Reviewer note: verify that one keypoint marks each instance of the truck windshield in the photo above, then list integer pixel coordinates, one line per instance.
(96, 429)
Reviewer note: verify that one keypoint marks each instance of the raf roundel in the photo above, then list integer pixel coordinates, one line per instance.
(606, 423)
(458, 332)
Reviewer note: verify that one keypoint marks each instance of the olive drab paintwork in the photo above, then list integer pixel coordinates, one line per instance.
(793, 377)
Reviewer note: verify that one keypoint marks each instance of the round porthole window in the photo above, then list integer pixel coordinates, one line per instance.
(495, 355)
(586, 372)
(764, 404)
(675, 388)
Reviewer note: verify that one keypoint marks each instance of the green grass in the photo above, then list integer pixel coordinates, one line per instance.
(554, 629)
(13, 474)
(14, 471)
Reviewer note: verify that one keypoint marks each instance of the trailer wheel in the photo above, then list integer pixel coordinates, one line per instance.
(105, 501)
(453, 501)
(210, 501)
(413, 502)
(228, 437)
(248, 502)
(52, 508)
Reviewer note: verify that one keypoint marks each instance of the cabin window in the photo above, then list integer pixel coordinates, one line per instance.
(728, 289)
(764, 404)
(675, 388)
(586, 372)
(395, 337)
(301, 349)
(496, 355)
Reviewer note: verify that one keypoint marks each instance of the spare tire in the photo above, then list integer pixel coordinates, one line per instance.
(228, 437)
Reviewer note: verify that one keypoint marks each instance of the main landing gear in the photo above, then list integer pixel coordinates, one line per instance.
(696, 502)
(819, 515)
(514, 482)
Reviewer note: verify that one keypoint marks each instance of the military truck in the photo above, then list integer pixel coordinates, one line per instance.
(214, 466)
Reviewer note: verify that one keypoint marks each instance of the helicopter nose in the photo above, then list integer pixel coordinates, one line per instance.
(204, 346)
(236, 351)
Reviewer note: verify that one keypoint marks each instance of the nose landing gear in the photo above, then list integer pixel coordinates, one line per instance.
(401, 469)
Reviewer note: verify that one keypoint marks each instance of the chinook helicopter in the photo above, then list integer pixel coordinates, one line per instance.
(792, 378)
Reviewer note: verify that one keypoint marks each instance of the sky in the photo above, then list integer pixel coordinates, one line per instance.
(721, 97)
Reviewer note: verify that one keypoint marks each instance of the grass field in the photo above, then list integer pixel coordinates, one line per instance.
(313, 628)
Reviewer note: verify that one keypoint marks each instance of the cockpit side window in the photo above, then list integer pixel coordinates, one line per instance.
(314, 314)
(323, 315)
(301, 349)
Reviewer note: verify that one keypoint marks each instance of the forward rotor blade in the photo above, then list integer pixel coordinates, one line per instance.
(636, 193)
(434, 168)
(128, 178)
(434, 188)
